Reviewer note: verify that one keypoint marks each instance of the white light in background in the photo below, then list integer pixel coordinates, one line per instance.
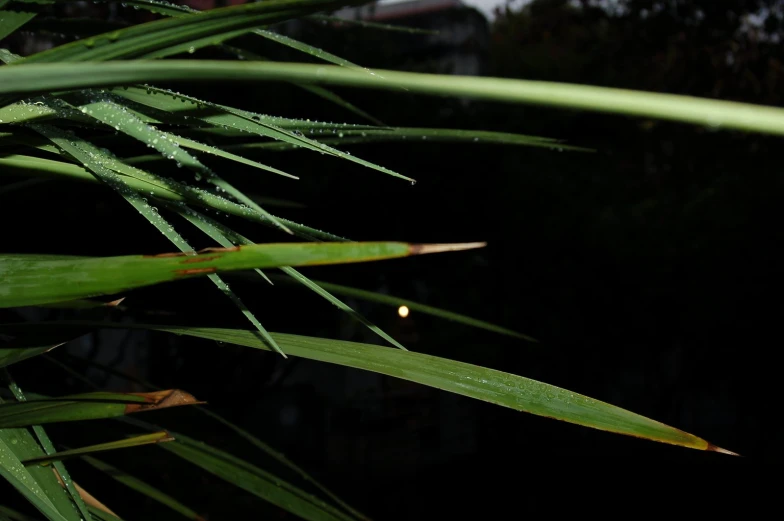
(403, 311)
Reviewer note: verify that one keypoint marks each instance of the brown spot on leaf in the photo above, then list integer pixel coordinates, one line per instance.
(194, 271)
(200, 258)
(164, 255)
(161, 400)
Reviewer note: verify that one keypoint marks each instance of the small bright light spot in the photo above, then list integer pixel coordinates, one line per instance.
(402, 311)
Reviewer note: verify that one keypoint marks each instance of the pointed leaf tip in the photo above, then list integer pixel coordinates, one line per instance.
(422, 249)
(713, 448)
(161, 399)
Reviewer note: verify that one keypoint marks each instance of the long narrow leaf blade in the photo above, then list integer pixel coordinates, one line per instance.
(489, 385)
(508, 390)
(29, 280)
(711, 113)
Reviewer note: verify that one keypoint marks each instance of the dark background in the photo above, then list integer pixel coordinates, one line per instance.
(649, 269)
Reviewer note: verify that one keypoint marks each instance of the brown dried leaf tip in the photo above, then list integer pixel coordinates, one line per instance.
(422, 249)
(713, 448)
(161, 400)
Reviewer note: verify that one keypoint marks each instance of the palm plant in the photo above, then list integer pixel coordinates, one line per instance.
(70, 112)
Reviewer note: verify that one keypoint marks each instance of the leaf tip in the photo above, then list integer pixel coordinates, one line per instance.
(422, 249)
(713, 448)
(162, 399)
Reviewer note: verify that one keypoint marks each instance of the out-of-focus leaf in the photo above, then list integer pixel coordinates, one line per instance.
(11, 20)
